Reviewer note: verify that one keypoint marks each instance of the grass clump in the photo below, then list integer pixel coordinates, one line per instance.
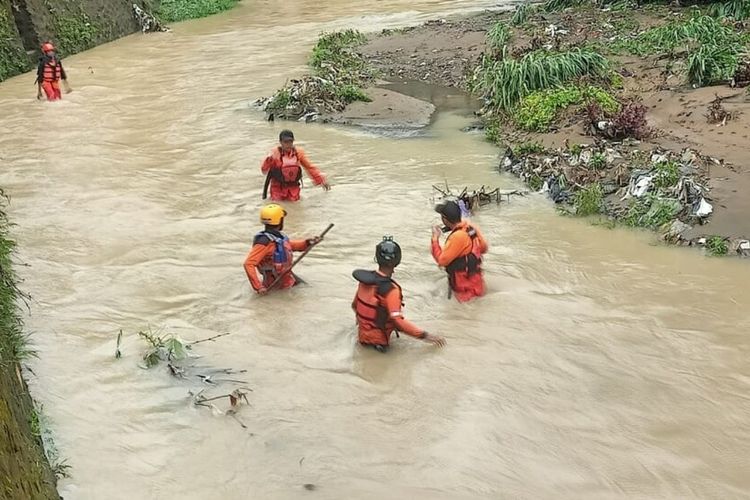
(522, 13)
(667, 174)
(528, 148)
(711, 48)
(538, 110)
(737, 10)
(651, 211)
(716, 246)
(351, 93)
(498, 36)
(334, 59)
(556, 5)
(589, 200)
(710, 64)
(506, 81)
(173, 11)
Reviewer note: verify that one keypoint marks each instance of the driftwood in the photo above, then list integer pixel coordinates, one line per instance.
(473, 200)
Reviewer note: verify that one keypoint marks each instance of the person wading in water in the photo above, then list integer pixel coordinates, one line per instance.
(462, 254)
(377, 304)
(271, 254)
(49, 72)
(283, 168)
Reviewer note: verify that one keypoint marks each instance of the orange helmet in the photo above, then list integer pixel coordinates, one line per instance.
(48, 47)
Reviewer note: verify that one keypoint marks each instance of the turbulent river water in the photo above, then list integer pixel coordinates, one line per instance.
(598, 365)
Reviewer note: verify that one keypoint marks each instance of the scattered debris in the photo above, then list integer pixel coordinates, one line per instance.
(717, 114)
(118, 353)
(471, 201)
(148, 22)
(650, 189)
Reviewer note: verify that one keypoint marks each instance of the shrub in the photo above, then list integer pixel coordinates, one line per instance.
(651, 211)
(539, 109)
(172, 11)
(709, 64)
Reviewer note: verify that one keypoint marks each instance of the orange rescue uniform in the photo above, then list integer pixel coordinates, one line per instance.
(285, 170)
(461, 258)
(270, 256)
(377, 306)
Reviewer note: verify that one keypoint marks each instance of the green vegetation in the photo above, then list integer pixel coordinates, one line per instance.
(75, 33)
(25, 472)
(498, 36)
(575, 149)
(555, 5)
(172, 11)
(13, 60)
(528, 148)
(589, 200)
(651, 211)
(717, 245)
(712, 49)
(667, 174)
(334, 59)
(163, 348)
(738, 10)
(538, 110)
(522, 13)
(598, 161)
(506, 81)
(492, 130)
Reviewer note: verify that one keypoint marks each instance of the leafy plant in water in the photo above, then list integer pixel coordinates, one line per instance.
(505, 82)
(666, 174)
(717, 245)
(589, 200)
(163, 348)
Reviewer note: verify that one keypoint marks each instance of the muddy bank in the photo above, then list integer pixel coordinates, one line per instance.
(25, 473)
(77, 25)
(448, 52)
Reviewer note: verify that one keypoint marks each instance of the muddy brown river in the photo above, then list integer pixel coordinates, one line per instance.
(598, 366)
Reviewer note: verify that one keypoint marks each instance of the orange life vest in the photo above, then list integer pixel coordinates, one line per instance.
(52, 70)
(272, 266)
(370, 313)
(289, 173)
(470, 263)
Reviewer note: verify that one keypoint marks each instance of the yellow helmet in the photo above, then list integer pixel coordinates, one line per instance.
(272, 214)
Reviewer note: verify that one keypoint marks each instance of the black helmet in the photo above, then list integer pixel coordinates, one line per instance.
(450, 210)
(387, 252)
(286, 134)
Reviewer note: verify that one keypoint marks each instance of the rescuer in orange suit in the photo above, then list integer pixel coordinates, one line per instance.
(49, 73)
(377, 304)
(271, 254)
(283, 168)
(462, 254)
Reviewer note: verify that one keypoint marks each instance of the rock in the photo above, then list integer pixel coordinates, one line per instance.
(474, 127)
(676, 230)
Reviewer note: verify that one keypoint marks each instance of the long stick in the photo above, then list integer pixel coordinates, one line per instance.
(296, 261)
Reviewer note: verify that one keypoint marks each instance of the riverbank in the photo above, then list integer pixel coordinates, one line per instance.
(639, 111)
(26, 475)
(77, 25)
